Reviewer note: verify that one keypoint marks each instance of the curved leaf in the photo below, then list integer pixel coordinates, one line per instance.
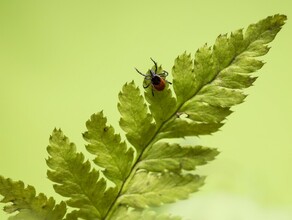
(184, 80)
(173, 157)
(135, 119)
(180, 128)
(154, 189)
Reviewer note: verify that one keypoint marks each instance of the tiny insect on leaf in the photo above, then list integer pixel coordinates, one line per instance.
(155, 78)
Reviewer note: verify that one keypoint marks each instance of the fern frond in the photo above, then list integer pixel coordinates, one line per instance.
(146, 171)
(29, 205)
(205, 87)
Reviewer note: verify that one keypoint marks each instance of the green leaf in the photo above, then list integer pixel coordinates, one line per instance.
(205, 113)
(180, 128)
(206, 86)
(29, 205)
(173, 157)
(223, 53)
(219, 96)
(154, 189)
(135, 120)
(111, 153)
(232, 80)
(184, 80)
(75, 179)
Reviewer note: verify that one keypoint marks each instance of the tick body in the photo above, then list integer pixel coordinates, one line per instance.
(156, 80)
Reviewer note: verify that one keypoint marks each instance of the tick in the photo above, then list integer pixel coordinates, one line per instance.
(156, 80)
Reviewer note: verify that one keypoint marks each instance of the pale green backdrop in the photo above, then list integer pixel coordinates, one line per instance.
(62, 60)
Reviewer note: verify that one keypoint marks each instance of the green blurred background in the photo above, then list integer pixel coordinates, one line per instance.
(61, 61)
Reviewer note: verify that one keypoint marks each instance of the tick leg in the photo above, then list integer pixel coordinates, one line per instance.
(163, 74)
(154, 64)
(146, 86)
(168, 82)
(152, 91)
(140, 72)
